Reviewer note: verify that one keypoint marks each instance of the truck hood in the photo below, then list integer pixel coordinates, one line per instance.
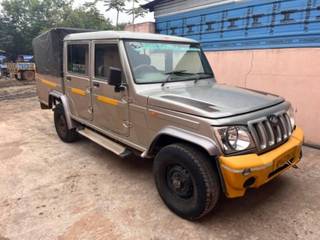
(212, 101)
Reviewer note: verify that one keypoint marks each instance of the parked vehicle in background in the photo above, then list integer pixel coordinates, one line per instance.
(23, 69)
(156, 96)
(3, 65)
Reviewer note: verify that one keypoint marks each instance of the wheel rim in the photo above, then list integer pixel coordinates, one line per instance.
(62, 126)
(179, 181)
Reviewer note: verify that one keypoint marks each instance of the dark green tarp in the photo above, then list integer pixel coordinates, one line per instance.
(48, 50)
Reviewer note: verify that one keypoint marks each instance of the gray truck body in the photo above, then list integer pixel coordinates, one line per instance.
(153, 105)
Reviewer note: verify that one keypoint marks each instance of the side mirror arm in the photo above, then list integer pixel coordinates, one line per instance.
(119, 88)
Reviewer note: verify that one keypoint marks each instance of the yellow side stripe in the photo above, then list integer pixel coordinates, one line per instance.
(78, 91)
(49, 83)
(107, 100)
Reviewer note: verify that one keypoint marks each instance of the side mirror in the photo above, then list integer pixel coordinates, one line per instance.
(115, 79)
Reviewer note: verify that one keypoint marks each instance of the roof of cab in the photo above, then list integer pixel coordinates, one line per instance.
(124, 35)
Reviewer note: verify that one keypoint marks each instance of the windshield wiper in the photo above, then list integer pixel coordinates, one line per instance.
(183, 72)
(199, 73)
(176, 72)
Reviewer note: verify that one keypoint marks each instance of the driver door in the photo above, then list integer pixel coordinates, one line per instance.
(110, 108)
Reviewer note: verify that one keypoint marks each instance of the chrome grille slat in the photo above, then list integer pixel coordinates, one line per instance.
(279, 134)
(288, 123)
(271, 131)
(263, 135)
(254, 133)
(284, 127)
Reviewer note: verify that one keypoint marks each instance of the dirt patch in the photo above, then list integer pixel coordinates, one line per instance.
(3, 238)
(11, 89)
(10, 152)
(93, 226)
(7, 82)
(18, 96)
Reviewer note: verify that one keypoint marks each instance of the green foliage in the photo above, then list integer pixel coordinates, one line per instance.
(87, 17)
(135, 11)
(121, 26)
(118, 5)
(22, 20)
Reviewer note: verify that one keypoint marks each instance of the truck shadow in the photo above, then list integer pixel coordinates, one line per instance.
(227, 210)
(253, 203)
(135, 164)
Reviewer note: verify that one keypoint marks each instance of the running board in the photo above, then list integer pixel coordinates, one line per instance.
(105, 142)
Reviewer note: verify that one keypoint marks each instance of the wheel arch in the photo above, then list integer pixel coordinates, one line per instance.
(56, 97)
(169, 135)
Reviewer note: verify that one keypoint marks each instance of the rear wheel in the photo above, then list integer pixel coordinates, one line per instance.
(17, 77)
(28, 75)
(186, 181)
(60, 122)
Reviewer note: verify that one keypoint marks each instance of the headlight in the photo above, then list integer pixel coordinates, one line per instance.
(290, 113)
(234, 139)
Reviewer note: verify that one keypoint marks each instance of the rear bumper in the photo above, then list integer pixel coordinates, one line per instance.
(252, 170)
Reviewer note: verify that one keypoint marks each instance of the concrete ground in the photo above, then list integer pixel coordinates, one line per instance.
(52, 190)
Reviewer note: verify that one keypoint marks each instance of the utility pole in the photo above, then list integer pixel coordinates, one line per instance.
(133, 11)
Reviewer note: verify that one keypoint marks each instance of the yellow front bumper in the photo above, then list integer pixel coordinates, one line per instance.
(239, 171)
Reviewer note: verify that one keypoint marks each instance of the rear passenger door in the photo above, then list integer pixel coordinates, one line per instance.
(77, 79)
(110, 108)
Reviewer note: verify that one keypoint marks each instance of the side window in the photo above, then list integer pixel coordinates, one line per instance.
(78, 58)
(105, 56)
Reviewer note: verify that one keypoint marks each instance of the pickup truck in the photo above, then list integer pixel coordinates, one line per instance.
(157, 96)
(23, 68)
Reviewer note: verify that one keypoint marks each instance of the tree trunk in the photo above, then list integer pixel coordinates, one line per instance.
(117, 23)
(133, 12)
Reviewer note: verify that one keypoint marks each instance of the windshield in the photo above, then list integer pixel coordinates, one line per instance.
(159, 62)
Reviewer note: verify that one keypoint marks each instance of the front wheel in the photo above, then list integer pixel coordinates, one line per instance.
(60, 122)
(186, 181)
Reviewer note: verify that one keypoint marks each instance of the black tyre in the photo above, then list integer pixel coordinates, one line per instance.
(28, 75)
(60, 122)
(186, 181)
(17, 77)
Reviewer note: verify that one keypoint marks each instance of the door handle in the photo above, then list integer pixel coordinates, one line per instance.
(96, 84)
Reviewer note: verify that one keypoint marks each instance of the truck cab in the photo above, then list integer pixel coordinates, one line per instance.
(157, 96)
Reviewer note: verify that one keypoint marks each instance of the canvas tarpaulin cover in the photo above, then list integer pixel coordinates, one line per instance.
(48, 50)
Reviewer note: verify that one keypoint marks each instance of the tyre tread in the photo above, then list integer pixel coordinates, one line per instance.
(210, 183)
(72, 134)
(207, 173)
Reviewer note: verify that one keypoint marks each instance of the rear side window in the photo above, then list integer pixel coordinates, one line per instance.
(106, 56)
(78, 58)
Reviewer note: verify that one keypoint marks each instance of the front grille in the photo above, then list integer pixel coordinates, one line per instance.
(271, 131)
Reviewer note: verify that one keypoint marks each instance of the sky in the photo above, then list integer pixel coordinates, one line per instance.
(123, 18)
